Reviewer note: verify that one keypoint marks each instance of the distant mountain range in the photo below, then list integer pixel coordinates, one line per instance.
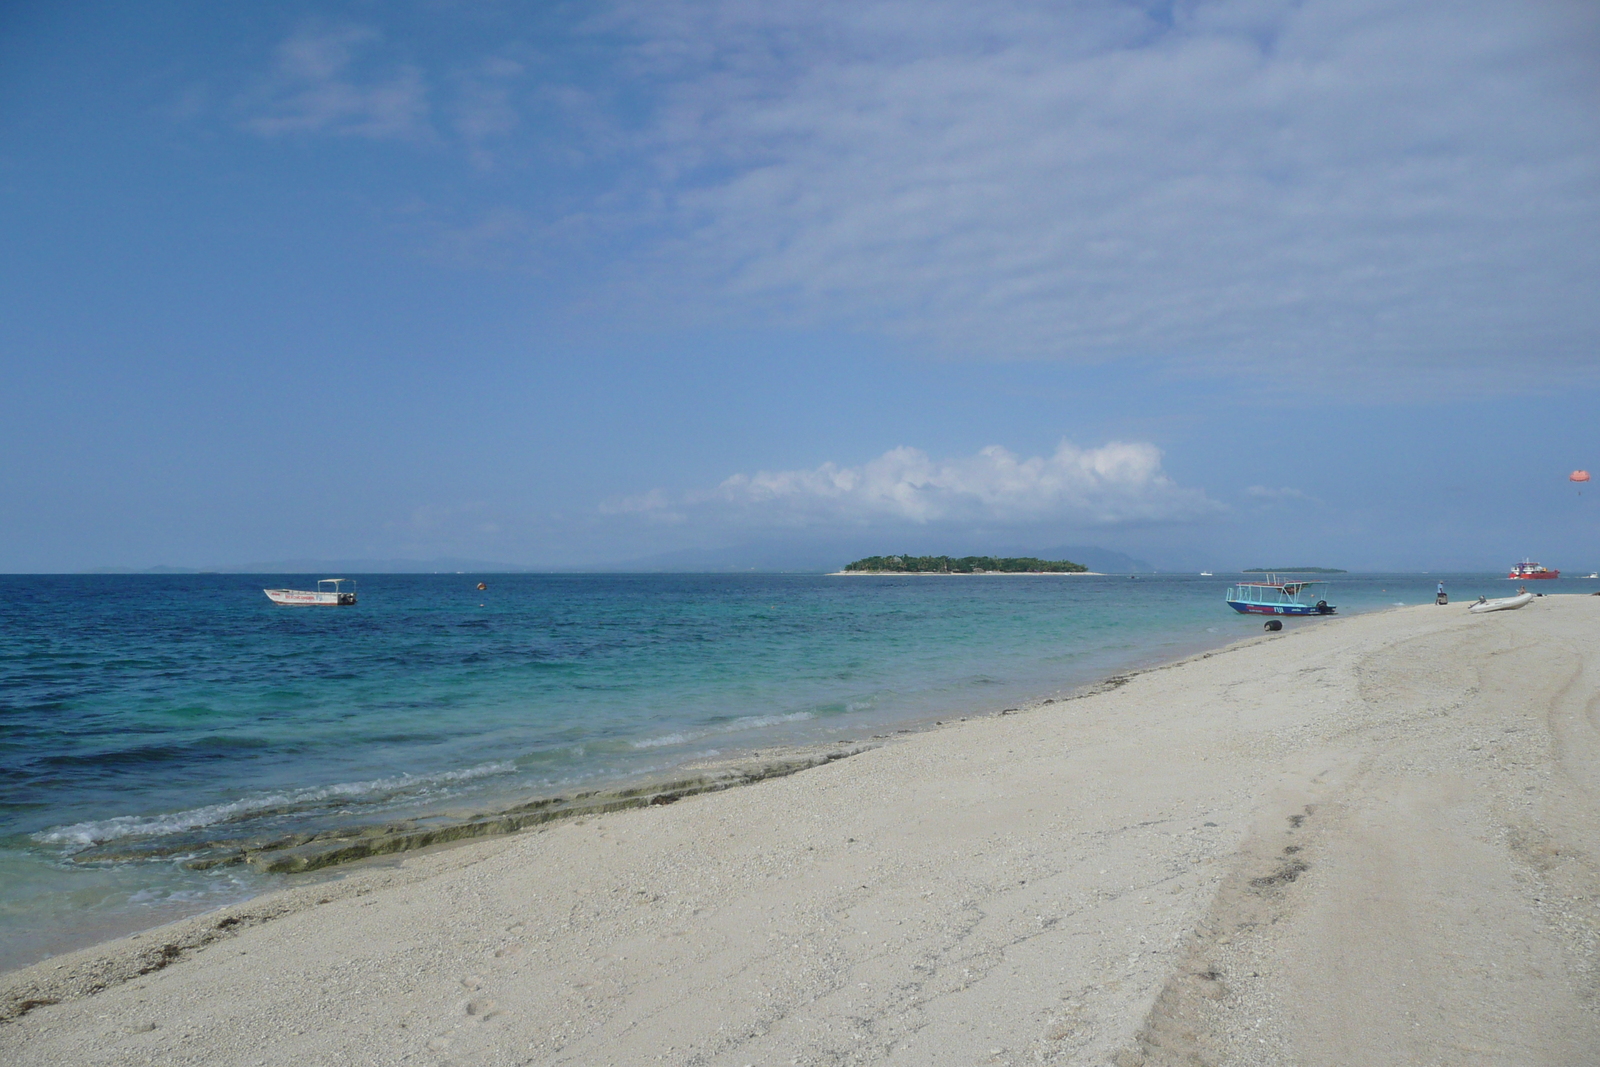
(757, 559)
(810, 560)
(1293, 570)
(336, 566)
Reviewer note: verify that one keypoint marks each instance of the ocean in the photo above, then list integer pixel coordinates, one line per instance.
(143, 716)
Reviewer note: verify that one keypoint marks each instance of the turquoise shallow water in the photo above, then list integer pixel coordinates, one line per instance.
(152, 713)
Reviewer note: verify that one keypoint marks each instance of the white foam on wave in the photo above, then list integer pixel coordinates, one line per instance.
(84, 834)
(748, 722)
(666, 739)
(755, 722)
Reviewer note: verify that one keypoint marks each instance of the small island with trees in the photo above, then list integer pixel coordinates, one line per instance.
(963, 565)
(1293, 570)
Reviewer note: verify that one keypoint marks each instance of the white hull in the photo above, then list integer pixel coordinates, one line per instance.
(1505, 603)
(308, 598)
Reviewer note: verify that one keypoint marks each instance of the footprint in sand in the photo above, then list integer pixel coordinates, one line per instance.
(481, 1008)
(506, 951)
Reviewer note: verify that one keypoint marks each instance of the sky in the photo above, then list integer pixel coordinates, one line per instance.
(1215, 284)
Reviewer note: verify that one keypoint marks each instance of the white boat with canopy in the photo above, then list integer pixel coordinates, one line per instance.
(1277, 596)
(330, 593)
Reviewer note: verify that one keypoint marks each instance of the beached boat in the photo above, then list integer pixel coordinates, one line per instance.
(1529, 569)
(1275, 597)
(330, 593)
(1505, 603)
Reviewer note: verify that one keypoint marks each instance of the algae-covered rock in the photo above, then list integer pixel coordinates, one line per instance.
(308, 853)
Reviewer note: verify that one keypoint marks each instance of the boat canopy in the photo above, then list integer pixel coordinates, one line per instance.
(337, 584)
(1303, 594)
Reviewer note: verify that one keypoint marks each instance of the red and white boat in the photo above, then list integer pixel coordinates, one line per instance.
(330, 593)
(1529, 569)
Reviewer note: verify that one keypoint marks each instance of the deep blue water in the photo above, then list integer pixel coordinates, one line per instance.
(155, 712)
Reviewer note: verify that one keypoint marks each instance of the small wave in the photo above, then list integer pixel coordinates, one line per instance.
(665, 739)
(756, 722)
(748, 722)
(206, 892)
(86, 834)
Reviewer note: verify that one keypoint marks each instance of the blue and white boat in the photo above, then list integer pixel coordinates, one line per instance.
(1276, 597)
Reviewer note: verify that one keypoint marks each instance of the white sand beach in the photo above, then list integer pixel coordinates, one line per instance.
(1363, 841)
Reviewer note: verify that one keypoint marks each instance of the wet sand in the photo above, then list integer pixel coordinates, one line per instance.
(1368, 840)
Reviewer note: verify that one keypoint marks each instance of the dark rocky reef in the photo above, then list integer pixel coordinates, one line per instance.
(295, 853)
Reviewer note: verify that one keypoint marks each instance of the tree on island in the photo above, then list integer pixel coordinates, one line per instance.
(965, 565)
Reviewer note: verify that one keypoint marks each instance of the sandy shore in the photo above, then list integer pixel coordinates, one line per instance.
(1369, 840)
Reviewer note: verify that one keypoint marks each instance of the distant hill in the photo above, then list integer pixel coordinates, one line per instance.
(336, 566)
(151, 570)
(1293, 570)
(735, 559)
(797, 557)
(821, 557)
(964, 565)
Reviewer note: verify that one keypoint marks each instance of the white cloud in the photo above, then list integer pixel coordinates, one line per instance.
(1345, 194)
(1298, 186)
(496, 236)
(485, 112)
(1117, 483)
(316, 88)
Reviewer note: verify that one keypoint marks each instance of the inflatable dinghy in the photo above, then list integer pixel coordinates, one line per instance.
(1505, 603)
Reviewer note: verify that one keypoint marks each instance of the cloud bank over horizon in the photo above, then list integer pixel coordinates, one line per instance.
(1117, 484)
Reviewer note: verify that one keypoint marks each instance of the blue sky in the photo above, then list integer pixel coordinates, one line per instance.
(1214, 284)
